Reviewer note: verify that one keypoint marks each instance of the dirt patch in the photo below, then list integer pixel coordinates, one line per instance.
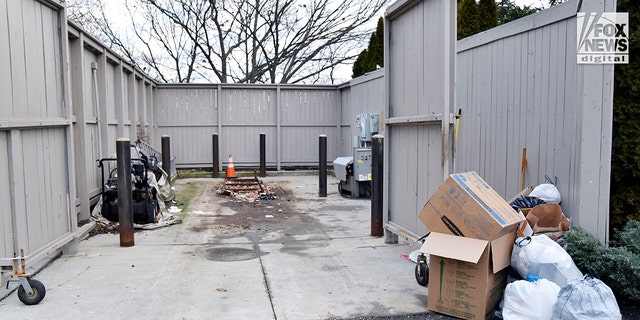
(249, 214)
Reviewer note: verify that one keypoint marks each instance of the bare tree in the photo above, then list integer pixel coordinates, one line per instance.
(242, 41)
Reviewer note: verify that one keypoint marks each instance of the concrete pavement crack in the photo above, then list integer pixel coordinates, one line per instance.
(256, 246)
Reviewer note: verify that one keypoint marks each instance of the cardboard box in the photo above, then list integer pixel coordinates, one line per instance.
(465, 205)
(467, 276)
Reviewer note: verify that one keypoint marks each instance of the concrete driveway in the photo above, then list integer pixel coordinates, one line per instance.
(294, 257)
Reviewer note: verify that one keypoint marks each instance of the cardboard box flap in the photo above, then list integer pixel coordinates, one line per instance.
(454, 247)
(501, 252)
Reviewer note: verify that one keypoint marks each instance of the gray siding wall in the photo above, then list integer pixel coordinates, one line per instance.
(109, 99)
(364, 94)
(66, 99)
(292, 117)
(519, 86)
(419, 36)
(35, 184)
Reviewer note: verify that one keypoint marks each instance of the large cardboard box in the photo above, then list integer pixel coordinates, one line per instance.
(466, 276)
(465, 205)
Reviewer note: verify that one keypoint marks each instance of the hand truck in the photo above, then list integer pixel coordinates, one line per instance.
(31, 291)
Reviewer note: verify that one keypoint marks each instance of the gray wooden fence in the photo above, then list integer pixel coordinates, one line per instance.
(66, 99)
(419, 74)
(291, 116)
(110, 99)
(518, 86)
(36, 179)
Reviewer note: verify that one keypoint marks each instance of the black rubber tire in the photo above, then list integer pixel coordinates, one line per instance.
(422, 274)
(38, 293)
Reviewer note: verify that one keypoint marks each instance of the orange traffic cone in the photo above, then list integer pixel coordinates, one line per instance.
(231, 171)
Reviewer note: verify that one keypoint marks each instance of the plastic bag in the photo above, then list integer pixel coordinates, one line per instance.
(542, 256)
(532, 299)
(586, 298)
(547, 192)
(523, 202)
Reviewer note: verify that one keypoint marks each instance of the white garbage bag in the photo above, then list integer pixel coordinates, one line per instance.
(530, 299)
(543, 257)
(586, 298)
(547, 192)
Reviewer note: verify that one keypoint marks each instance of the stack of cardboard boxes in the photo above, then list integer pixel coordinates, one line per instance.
(472, 234)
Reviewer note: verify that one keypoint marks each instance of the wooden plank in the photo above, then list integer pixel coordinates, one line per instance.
(33, 123)
(6, 216)
(18, 192)
(34, 60)
(6, 83)
(35, 191)
(17, 58)
(523, 25)
(52, 68)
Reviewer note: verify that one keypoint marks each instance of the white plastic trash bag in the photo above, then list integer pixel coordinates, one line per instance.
(543, 257)
(547, 192)
(530, 299)
(586, 298)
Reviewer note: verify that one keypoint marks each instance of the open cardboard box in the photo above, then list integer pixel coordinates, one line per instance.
(467, 276)
(465, 205)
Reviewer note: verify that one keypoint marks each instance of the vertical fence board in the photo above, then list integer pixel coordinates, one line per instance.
(6, 221)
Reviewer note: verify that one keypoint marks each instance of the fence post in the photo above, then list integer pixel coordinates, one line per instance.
(263, 154)
(377, 154)
(125, 200)
(166, 154)
(216, 155)
(322, 166)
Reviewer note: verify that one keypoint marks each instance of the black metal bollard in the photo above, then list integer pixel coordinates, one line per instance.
(125, 200)
(322, 165)
(263, 154)
(216, 156)
(166, 154)
(377, 168)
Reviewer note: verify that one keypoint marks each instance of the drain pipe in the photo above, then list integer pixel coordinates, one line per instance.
(96, 98)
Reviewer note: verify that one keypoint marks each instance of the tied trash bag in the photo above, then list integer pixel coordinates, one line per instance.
(542, 256)
(530, 299)
(586, 298)
(525, 202)
(547, 192)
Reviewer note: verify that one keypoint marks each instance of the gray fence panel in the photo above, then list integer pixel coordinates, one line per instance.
(245, 113)
(34, 128)
(519, 87)
(189, 116)
(291, 116)
(419, 90)
(6, 216)
(46, 184)
(364, 94)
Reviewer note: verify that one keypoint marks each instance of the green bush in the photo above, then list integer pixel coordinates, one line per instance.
(617, 266)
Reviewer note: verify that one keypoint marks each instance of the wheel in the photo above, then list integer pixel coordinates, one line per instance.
(38, 293)
(422, 274)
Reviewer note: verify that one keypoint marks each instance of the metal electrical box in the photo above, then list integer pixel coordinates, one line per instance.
(362, 164)
(355, 172)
